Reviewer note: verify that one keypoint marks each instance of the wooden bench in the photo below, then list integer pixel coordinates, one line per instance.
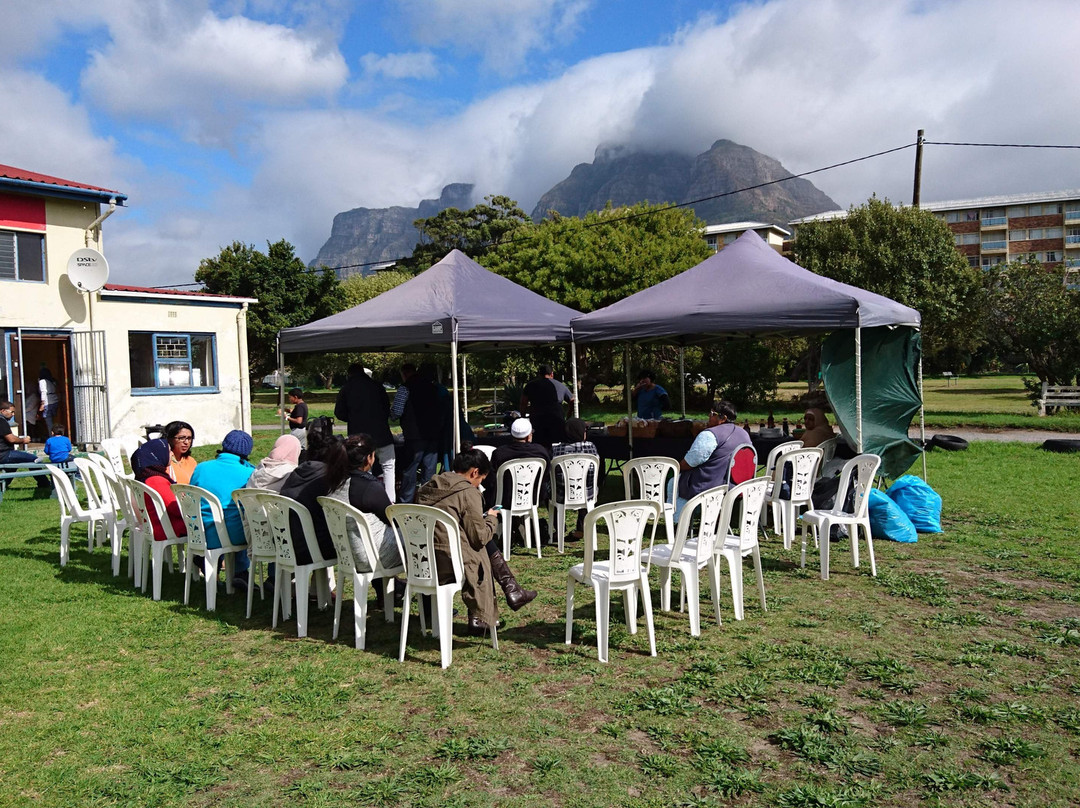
(950, 378)
(15, 471)
(1058, 395)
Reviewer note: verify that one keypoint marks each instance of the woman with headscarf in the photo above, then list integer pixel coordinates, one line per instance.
(276, 467)
(181, 436)
(150, 462)
(817, 428)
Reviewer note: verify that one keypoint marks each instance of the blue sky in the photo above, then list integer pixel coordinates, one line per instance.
(255, 120)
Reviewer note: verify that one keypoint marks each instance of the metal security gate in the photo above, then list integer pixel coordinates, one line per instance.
(91, 397)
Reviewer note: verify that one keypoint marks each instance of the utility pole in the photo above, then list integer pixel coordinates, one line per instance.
(915, 193)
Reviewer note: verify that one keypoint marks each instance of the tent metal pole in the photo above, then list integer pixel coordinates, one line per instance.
(281, 383)
(682, 380)
(922, 420)
(454, 381)
(573, 373)
(629, 416)
(858, 390)
(465, 384)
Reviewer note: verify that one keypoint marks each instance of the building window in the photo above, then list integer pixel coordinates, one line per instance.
(22, 256)
(1016, 211)
(973, 260)
(174, 363)
(966, 238)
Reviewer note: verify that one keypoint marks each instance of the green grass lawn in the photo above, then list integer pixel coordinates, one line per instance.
(988, 402)
(951, 679)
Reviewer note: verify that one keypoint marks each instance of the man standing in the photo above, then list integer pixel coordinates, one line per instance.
(298, 416)
(542, 400)
(363, 404)
(417, 405)
(651, 398)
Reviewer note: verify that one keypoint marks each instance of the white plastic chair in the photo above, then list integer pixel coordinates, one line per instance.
(575, 469)
(414, 530)
(864, 468)
(260, 538)
(691, 553)
(155, 558)
(775, 454)
(99, 498)
(119, 520)
(129, 520)
(116, 449)
(485, 448)
(141, 529)
(338, 515)
(71, 511)
(738, 539)
(524, 475)
(804, 465)
(828, 449)
(277, 509)
(626, 568)
(647, 478)
(190, 499)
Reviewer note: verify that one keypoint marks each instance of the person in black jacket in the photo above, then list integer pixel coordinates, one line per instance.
(364, 405)
(417, 405)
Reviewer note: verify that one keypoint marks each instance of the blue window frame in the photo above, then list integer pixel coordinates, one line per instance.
(172, 363)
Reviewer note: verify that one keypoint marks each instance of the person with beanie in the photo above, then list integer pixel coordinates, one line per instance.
(221, 476)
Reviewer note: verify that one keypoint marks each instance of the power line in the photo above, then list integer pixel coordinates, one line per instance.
(999, 145)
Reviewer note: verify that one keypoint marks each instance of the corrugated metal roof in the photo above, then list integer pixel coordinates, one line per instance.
(23, 178)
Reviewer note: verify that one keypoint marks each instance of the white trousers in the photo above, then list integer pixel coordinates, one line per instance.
(387, 461)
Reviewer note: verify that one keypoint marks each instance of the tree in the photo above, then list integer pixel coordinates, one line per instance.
(592, 262)
(1031, 311)
(906, 254)
(288, 292)
(475, 231)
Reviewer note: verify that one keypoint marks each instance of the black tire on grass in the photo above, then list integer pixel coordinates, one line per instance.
(950, 443)
(1061, 445)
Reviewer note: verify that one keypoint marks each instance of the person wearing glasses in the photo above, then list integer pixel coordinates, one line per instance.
(180, 436)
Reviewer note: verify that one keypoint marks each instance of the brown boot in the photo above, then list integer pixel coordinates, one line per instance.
(516, 596)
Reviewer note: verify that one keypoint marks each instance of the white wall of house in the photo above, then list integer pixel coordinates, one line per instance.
(56, 307)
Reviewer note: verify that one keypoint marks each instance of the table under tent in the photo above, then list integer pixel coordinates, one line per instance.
(455, 306)
(871, 360)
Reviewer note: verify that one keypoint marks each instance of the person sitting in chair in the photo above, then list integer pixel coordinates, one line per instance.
(458, 493)
(817, 428)
(706, 465)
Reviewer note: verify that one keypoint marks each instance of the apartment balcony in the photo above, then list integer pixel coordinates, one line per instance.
(1072, 215)
(995, 246)
(994, 222)
(1072, 239)
(1072, 263)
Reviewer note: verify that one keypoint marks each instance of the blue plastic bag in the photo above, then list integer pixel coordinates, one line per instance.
(887, 521)
(919, 501)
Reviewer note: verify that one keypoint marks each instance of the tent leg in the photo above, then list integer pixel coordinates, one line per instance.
(682, 380)
(281, 384)
(465, 384)
(455, 448)
(573, 372)
(922, 419)
(629, 412)
(858, 391)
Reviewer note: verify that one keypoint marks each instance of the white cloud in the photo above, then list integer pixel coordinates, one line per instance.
(202, 74)
(50, 134)
(416, 65)
(505, 34)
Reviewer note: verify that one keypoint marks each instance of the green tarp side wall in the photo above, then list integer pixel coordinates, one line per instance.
(890, 390)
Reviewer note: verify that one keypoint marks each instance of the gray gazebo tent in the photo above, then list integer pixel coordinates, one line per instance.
(746, 289)
(456, 305)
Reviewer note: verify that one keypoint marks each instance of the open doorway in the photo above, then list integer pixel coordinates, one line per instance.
(38, 351)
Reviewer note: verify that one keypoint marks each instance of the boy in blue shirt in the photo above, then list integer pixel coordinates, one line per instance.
(58, 447)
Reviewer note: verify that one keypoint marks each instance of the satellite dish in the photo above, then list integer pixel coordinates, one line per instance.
(87, 270)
